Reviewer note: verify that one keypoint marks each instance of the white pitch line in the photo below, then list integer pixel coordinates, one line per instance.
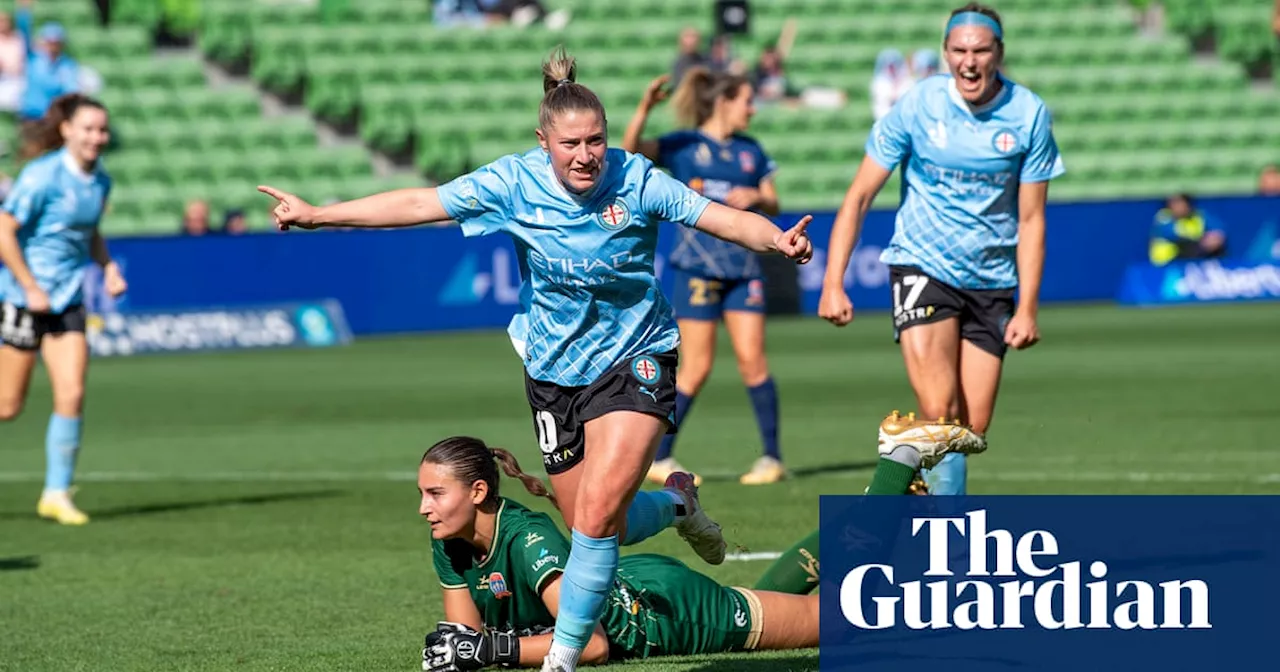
(1060, 476)
(220, 476)
(749, 557)
(1065, 475)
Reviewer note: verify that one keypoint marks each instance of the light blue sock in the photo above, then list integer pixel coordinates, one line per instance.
(587, 578)
(651, 512)
(61, 445)
(949, 476)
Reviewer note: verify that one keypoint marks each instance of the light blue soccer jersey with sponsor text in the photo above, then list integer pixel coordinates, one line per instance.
(590, 298)
(961, 170)
(58, 207)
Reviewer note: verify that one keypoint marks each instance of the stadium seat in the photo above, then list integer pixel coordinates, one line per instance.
(1134, 115)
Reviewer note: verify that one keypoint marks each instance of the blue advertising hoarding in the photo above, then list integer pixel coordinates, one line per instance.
(317, 324)
(434, 279)
(1209, 281)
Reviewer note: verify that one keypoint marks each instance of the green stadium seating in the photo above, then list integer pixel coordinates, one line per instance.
(176, 139)
(1135, 115)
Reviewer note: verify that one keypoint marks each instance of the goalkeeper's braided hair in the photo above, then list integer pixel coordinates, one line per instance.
(471, 459)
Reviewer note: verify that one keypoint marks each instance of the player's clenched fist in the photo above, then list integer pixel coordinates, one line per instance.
(835, 307)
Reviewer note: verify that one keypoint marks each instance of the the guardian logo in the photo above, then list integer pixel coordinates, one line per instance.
(1039, 591)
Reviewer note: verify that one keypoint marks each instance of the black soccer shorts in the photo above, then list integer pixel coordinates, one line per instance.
(25, 330)
(644, 383)
(922, 299)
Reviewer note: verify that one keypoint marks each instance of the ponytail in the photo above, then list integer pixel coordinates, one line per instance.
(46, 133)
(695, 98)
(561, 91)
(511, 467)
(471, 460)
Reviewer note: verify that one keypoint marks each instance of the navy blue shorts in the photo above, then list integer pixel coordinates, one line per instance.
(702, 298)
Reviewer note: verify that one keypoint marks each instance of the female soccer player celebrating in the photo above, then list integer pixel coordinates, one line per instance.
(596, 334)
(48, 236)
(714, 278)
(501, 567)
(977, 153)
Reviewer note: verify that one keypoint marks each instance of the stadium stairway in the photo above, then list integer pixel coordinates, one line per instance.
(1136, 115)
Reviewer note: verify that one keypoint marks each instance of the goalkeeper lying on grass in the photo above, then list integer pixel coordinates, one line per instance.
(500, 565)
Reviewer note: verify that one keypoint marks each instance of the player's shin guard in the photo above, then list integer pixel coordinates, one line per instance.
(62, 445)
(796, 571)
(584, 588)
(683, 403)
(949, 477)
(650, 513)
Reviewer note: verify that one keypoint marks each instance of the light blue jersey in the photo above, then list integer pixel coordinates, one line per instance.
(58, 207)
(590, 297)
(961, 168)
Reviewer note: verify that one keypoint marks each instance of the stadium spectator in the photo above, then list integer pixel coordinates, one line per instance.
(891, 79)
(924, 64)
(50, 71)
(1182, 231)
(720, 57)
(1269, 181)
(233, 222)
(521, 13)
(447, 13)
(690, 54)
(770, 78)
(195, 219)
(13, 64)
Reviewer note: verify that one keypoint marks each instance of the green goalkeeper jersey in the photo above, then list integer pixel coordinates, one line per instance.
(657, 605)
(506, 585)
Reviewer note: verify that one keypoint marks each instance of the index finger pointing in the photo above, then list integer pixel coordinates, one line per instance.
(272, 192)
(802, 224)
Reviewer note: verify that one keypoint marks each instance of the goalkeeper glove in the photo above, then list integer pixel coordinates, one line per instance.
(458, 648)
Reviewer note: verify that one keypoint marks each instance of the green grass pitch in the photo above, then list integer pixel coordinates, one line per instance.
(256, 510)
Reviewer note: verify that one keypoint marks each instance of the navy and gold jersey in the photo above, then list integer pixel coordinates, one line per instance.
(713, 169)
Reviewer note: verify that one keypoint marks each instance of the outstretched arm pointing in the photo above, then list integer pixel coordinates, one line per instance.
(398, 208)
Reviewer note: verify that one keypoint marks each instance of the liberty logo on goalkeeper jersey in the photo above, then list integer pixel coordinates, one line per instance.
(645, 369)
(614, 216)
